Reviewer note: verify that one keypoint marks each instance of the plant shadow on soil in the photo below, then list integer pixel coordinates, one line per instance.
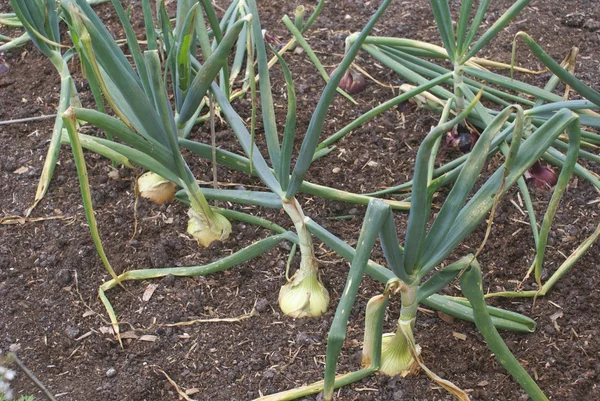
(49, 271)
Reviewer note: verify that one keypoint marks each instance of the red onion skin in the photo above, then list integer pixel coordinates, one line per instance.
(273, 41)
(462, 138)
(352, 82)
(541, 177)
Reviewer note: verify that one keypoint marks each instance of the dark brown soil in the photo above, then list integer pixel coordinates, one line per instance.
(49, 270)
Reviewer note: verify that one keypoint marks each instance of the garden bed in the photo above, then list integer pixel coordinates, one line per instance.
(50, 272)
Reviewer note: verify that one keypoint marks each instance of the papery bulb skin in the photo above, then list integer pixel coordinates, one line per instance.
(272, 40)
(451, 138)
(205, 231)
(462, 138)
(304, 295)
(352, 82)
(541, 177)
(156, 188)
(396, 359)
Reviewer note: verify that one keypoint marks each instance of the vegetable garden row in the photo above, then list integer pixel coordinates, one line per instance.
(192, 69)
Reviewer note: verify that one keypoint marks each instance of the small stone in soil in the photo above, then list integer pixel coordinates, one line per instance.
(262, 305)
(72, 332)
(98, 198)
(169, 280)
(111, 372)
(267, 374)
(304, 339)
(592, 24)
(123, 185)
(63, 277)
(158, 256)
(276, 357)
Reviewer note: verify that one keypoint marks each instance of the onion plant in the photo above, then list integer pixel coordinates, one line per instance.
(150, 132)
(148, 128)
(424, 249)
(304, 294)
(241, 256)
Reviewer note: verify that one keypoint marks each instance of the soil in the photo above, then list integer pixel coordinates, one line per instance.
(50, 272)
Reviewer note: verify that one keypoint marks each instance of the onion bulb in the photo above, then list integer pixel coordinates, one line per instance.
(156, 188)
(205, 231)
(304, 295)
(396, 358)
(462, 138)
(352, 82)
